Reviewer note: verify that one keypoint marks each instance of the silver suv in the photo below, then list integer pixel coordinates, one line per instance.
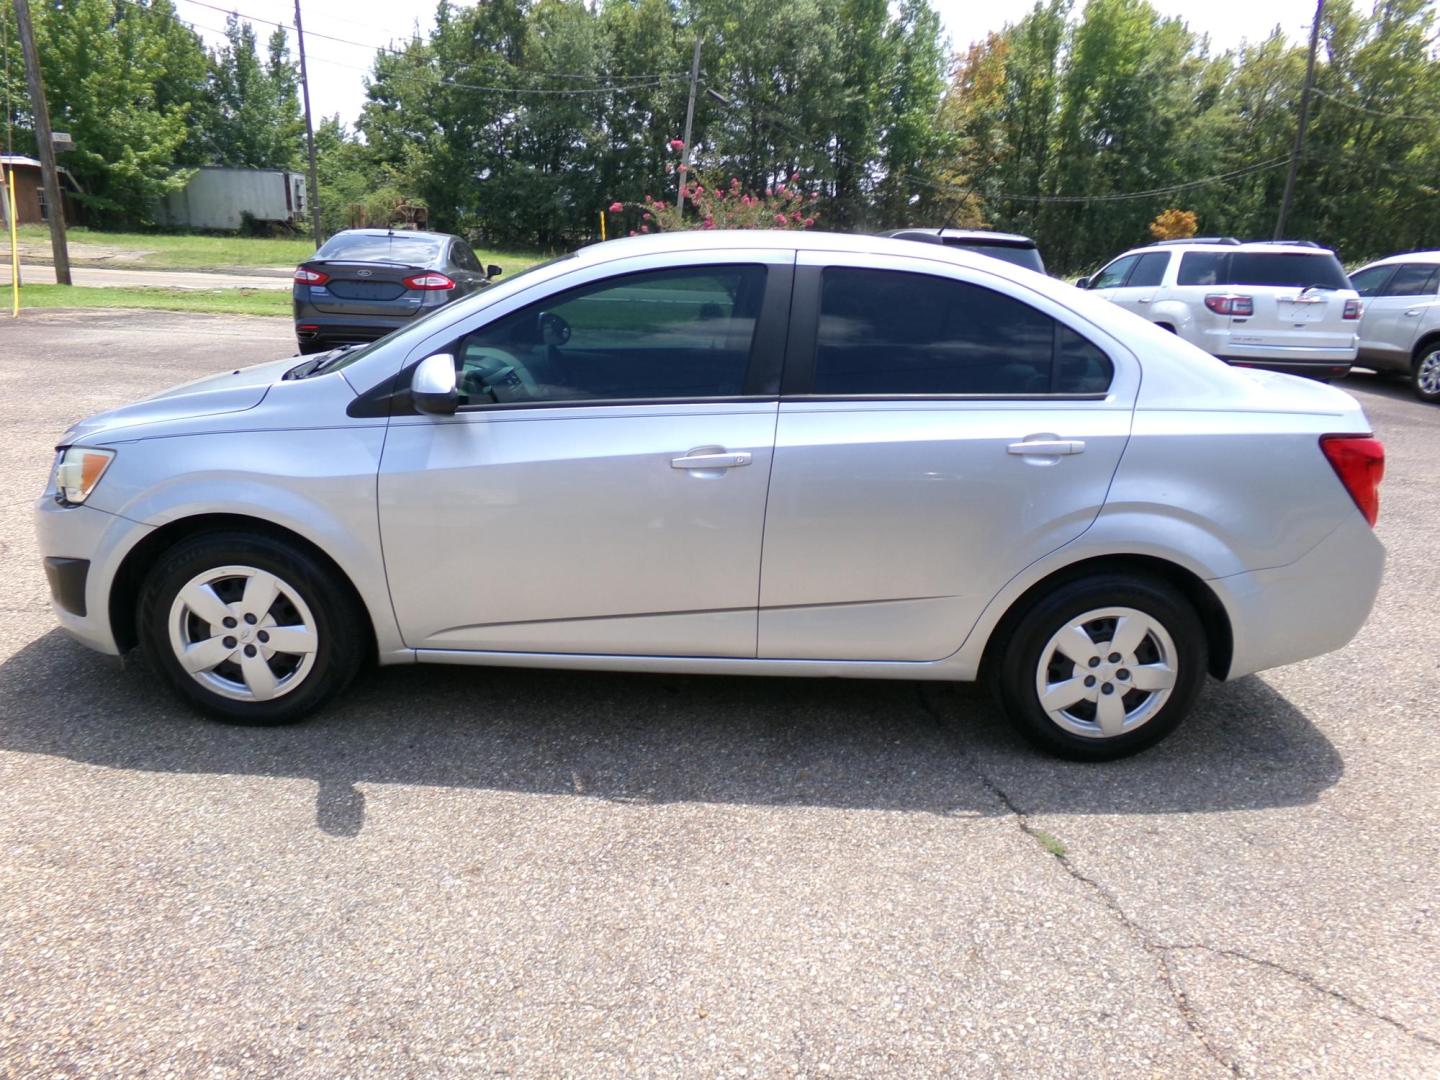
(1285, 306)
(1401, 328)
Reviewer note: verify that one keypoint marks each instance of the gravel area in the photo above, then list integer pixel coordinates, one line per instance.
(463, 872)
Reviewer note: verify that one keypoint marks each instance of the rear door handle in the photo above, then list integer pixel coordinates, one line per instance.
(1146, 299)
(1047, 447)
(1413, 311)
(711, 457)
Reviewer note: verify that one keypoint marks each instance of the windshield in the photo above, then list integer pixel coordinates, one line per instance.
(1319, 271)
(336, 361)
(395, 247)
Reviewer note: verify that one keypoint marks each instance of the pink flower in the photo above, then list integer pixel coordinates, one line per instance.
(648, 200)
(649, 218)
(734, 181)
(794, 217)
(769, 191)
(699, 188)
(779, 219)
(709, 223)
(632, 232)
(616, 207)
(677, 144)
(809, 221)
(644, 228)
(684, 168)
(780, 190)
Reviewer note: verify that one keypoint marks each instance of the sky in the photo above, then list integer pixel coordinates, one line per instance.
(338, 68)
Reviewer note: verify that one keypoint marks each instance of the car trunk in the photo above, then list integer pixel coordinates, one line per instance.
(365, 288)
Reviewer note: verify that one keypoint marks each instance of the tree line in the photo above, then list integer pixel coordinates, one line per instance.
(517, 121)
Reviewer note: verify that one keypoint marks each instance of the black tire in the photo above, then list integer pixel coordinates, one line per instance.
(339, 621)
(308, 348)
(1425, 372)
(1016, 666)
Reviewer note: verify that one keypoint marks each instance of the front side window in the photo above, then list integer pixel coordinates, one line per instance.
(887, 333)
(1413, 279)
(1369, 282)
(1113, 276)
(664, 334)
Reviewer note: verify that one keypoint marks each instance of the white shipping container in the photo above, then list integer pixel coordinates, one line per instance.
(217, 196)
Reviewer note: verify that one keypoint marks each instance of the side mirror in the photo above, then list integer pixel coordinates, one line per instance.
(432, 386)
(493, 270)
(1083, 283)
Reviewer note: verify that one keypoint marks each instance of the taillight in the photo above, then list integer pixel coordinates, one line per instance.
(431, 280)
(1227, 304)
(1359, 462)
(310, 277)
(1353, 309)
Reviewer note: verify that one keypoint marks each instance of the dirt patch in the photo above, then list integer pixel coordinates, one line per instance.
(82, 253)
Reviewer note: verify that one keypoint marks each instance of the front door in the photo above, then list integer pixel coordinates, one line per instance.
(602, 487)
(938, 433)
(1393, 318)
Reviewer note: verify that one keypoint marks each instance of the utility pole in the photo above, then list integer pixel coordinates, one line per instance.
(44, 139)
(312, 182)
(1289, 196)
(689, 122)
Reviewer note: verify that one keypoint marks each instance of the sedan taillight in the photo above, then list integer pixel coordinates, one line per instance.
(1228, 304)
(1353, 309)
(1359, 462)
(310, 277)
(429, 281)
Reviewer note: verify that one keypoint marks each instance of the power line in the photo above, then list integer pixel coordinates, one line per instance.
(1374, 112)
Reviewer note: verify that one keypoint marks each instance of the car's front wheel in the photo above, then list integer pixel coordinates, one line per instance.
(250, 628)
(1425, 375)
(1102, 667)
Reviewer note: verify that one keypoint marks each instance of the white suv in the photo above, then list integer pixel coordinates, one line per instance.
(1401, 328)
(1285, 306)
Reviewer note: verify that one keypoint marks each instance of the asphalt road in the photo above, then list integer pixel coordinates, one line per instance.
(471, 872)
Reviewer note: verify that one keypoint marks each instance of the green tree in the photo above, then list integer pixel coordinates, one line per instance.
(255, 119)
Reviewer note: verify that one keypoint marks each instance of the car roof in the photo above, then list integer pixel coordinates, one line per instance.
(1279, 247)
(1406, 257)
(395, 232)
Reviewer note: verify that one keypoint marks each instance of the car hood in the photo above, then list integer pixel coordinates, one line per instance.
(234, 391)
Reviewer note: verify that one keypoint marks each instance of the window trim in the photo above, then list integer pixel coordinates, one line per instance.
(762, 371)
(800, 357)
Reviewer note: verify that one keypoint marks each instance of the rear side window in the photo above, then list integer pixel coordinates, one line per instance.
(1201, 268)
(1150, 270)
(886, 333)
(1286, 269)
(1412, 279)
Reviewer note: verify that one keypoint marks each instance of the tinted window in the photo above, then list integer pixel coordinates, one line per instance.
(1201, 268)
(1150, 270)
(883, 333)
(664, 334)
(1285, 269)
(1113, 276)
(464, 257)
(1369, 282)
(398, 248)
(1412, 279)
(1028, 257)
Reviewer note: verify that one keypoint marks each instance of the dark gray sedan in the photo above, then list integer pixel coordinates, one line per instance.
(363, 283)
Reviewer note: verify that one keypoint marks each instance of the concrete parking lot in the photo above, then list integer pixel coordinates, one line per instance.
(465, 872)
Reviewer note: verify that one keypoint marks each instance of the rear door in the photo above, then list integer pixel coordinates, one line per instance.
(1393, 318)
(937, 432)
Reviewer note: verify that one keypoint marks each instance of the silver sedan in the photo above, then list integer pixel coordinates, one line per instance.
(742, 453)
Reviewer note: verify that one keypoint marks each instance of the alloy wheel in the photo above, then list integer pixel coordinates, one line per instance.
(1106, 672)
(243, 633)
(1427, 374)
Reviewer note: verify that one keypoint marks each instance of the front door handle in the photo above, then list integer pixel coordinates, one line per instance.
(711, 457)
(1047, 447)
(1146, 299)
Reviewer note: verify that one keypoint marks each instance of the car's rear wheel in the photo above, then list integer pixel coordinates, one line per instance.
(1102, 667)
(250, 628)
(1425, 376)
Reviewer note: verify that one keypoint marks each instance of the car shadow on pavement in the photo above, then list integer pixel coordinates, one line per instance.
(931, 747)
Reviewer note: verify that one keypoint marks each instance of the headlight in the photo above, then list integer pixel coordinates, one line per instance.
(78, 471)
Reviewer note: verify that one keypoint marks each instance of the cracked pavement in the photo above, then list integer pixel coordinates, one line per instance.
(460, 872)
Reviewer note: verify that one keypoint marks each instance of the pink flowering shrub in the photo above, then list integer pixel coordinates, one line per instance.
(723, 206)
